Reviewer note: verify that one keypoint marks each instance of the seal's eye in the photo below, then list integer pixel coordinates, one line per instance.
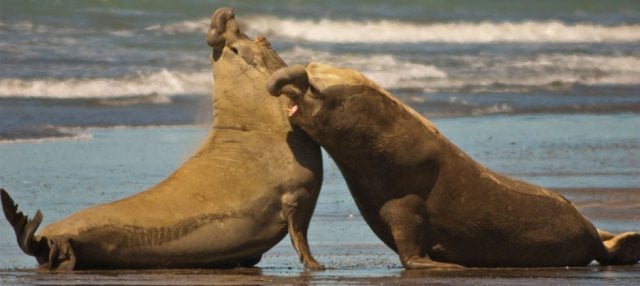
(233, 50)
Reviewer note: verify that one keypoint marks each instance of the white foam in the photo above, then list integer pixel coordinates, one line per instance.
(493, 109)
(387, 31)
(164, 82)
(556, 82)
(552, 70)
(384, 69)
(483, 72)
(190, 26)
(28, 27)
(391, 31)
(71, 137)
(577, 61)
(474, 73)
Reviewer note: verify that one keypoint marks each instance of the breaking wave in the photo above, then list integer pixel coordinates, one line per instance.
(386, 31)
(192, 26)
(391, 31)
(483, 73)
(162, 83)
(384, 69)
(475, 74)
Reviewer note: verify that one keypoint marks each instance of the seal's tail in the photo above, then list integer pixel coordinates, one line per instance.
(24, 227)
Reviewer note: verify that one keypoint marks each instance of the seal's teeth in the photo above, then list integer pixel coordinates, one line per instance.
(293, 109)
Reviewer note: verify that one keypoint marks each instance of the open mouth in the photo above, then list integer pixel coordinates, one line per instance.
(293, 108)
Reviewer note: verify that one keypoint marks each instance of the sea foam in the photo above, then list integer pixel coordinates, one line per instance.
(385, 69)
(388, 31)
(553, 71)
(163, 82)
(392, 31)
(484, 73)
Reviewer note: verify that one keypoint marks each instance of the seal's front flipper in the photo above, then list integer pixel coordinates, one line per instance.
(407, 230)
(410, 251)
(24, 227)
(622, 249)
(298, 236)
(297, 212)
(427, 263)
(61, 256)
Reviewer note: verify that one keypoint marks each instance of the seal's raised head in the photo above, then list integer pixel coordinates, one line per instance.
(241, 67)
(226, 39)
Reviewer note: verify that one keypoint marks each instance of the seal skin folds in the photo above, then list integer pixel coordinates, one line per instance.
(254, 179)
(423, 196)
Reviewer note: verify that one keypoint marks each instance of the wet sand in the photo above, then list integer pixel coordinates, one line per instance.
(593, 275)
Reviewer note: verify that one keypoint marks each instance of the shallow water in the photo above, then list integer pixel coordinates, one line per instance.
(61, 176)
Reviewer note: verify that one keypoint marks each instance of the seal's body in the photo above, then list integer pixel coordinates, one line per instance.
(423, 196)
(253, 179)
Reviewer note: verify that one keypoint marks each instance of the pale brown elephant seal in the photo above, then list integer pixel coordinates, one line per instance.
(424, 197)
(252, 180)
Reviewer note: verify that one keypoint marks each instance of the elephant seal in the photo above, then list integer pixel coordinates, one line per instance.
(423, 196)
(253, 179)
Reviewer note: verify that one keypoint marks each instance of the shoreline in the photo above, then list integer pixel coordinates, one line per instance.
(591, 275)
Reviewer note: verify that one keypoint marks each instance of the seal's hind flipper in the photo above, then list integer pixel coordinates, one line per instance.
(623, 249)
(24, 227)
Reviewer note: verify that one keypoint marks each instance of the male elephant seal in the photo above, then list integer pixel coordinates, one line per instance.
(254, 178)
(424, 197)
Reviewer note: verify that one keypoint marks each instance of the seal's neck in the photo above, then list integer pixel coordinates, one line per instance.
(241, 101)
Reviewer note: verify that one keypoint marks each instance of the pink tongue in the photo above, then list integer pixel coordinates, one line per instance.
(293, 110)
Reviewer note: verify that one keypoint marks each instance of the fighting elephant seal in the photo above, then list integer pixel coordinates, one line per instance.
(252, 180)
(427, 199)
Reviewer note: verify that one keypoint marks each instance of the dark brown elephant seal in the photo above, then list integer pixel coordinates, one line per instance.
(252, 180)
(424, 197)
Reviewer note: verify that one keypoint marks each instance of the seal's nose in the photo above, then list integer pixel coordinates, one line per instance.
(219, 20)
(291, 81)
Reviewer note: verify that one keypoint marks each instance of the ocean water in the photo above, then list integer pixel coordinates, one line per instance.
(545, 91)
(143, 63)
